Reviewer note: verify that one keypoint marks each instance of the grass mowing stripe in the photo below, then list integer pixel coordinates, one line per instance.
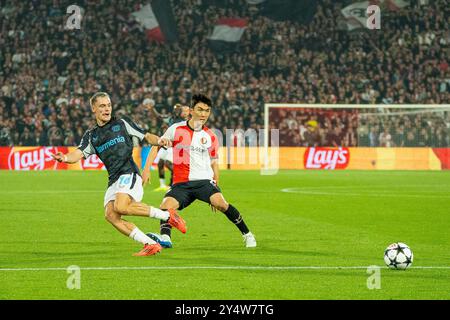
(221, 268)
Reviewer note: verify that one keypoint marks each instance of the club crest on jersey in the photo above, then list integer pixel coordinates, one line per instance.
(116, 128)
(203, 140)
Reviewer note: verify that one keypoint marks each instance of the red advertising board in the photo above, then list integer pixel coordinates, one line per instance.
(92, 163)
(39, 158)
(30, 158)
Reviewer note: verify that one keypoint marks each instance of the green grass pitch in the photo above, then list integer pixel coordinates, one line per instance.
(302, 219)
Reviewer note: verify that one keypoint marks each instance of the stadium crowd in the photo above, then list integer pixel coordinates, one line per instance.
(48, 73)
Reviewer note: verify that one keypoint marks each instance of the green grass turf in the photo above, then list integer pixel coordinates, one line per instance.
(341, 218)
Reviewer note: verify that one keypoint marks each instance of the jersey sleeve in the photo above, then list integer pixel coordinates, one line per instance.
(170, 133)
(214, 149)
(133, 129)
(86, 145)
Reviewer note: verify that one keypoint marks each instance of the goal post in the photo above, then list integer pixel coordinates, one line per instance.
(396, 132)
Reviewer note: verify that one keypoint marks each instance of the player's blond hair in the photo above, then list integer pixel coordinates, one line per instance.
(96, 96)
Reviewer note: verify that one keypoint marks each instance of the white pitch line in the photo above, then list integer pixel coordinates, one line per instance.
(220, 268)
(52, 191)
(374, 193)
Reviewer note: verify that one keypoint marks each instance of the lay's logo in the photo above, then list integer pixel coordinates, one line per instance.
(32, 158)
(326, 158)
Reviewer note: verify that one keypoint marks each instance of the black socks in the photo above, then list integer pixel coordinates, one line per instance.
(234, 216)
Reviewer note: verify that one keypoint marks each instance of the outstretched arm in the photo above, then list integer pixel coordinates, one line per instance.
(71, 157)
(154, 140)
(146, 171)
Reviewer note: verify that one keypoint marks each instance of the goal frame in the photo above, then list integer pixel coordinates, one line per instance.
(267, 106)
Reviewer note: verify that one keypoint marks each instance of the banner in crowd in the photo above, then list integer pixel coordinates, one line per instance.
(227, 34)
(356, 13)
(229, 29)
(158, 20)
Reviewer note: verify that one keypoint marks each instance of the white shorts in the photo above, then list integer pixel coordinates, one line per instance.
(166, 154)
(125, 185)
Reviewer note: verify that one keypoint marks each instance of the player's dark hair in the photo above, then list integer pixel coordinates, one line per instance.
(96, 96)
(196, 98)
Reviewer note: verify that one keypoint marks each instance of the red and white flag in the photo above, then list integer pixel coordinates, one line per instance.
(146, 18)
(229, 29)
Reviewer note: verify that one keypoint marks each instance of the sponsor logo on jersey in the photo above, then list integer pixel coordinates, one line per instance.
(326, 158)
(110, 143)
(189, 147)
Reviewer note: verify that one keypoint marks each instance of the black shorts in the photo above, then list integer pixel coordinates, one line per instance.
(187, 192)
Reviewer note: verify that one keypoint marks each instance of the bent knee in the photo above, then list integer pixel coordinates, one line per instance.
(120, 208)
(111, 216)
(221, 206)
(169, 203)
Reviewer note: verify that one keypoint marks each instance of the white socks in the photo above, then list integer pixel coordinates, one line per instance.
(162, 182)
(141, 237)
(159, 214)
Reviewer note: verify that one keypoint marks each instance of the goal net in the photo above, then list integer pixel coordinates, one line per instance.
(360, 126)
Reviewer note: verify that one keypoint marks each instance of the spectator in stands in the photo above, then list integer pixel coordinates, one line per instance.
(334, 137)
(423, 139)
(46, 70)
(385, 138)
(410, 139)
(26, 138)
(311, 135)
(373, 137)
(399, 136)
(441, 139)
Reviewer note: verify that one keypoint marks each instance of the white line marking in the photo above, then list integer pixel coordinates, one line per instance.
(373, 193)
(220, 268)
(19, 192)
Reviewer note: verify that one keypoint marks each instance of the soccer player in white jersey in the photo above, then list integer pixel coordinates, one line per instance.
(111, 139)
(196, 171)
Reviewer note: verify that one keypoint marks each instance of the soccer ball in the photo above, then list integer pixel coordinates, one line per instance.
(398, 256)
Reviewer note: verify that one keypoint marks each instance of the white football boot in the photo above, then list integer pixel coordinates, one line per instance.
(249, 239)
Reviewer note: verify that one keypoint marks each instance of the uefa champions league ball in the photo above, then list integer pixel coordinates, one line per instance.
(398, 256)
